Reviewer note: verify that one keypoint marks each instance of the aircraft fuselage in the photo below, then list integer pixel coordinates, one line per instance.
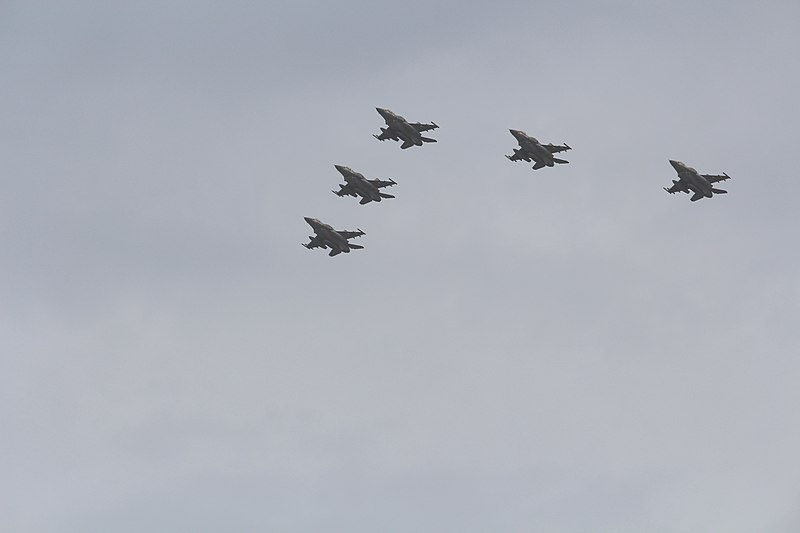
(328, 236)
(693, 179)
(362, 185)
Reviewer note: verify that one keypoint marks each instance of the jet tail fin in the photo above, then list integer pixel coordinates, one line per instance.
(719, 191)
(428, 140)
(560, 161)
(538, 165)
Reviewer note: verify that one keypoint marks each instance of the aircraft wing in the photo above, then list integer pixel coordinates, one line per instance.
(713, 178)
(386, 134)
(424, 127)
(315, 242)
(345, 190)
(518, 155)
(555, 148)
(677, 186)
(351, 234)
(383, 183)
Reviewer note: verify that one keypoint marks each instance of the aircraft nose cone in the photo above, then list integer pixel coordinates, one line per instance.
(340, 168)
(309, 220)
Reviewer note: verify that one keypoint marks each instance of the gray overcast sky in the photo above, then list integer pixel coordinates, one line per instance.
(566, 350)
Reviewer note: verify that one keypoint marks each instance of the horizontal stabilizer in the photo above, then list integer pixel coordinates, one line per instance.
(385, 195)
(696, 196)
(428, 140)
(538, 165)
(719, 191)
(406, 144)
(560, 161)
(365, 200)
(356, 246)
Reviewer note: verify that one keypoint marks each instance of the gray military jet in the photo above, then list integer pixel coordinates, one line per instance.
(327, 237)
(357, 185)
(689, 180)
(399, 129)
(532, 150)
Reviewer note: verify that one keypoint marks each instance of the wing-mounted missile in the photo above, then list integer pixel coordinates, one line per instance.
(673, 189)
(516, 155)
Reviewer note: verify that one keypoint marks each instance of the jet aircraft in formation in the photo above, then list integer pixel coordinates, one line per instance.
(357, 185)
(327, 237)
(531, 149)
(399, 129)
(689, 180)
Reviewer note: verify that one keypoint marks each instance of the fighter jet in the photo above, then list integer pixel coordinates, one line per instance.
(357, 185)
(399, 129)
(327, 237)
(689, 180)
(531, 149)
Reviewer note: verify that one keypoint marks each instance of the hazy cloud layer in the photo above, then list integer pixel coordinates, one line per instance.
(564, 350)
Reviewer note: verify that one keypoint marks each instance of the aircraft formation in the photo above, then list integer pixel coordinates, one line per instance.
(530, 149)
